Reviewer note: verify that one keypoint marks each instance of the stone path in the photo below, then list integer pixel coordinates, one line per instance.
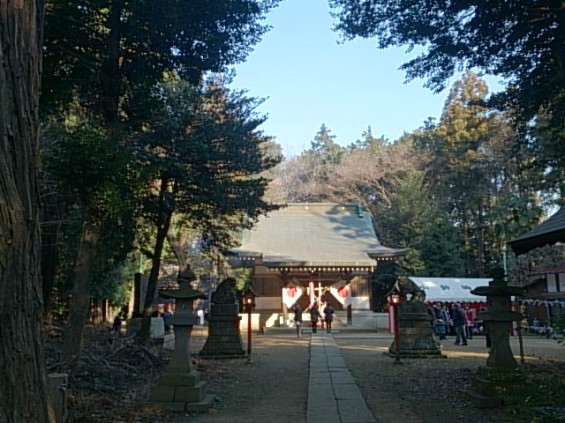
(333, 396)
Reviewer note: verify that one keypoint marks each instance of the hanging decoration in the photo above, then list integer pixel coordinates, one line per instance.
(291, 294)
(543, 302)
(341, 292)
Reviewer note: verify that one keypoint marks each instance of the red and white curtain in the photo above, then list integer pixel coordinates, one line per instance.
(341, 290)
(291, 294)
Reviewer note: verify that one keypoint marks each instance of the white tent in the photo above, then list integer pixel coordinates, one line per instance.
(450, 289)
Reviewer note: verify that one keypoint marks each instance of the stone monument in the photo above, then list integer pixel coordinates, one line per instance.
(180, 387)
(416, 338)
(224, 338)
(416, 333)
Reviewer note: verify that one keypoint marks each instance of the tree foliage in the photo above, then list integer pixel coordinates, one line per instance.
(521, 42)
(452, 193)
(471, 167)
(205, 146)
(104, 58)
(208, 158)
(110, 53)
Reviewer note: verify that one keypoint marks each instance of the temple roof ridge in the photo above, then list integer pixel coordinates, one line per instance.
(316, 234)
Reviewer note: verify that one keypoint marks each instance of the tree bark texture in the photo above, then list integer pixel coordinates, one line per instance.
(23, 381)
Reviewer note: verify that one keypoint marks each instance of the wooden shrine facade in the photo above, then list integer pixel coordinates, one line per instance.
(342, 287)
(308, 252)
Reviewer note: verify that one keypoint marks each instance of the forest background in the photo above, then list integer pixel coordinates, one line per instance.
(136, 153)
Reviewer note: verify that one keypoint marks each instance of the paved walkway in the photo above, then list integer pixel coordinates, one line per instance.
(333, 396)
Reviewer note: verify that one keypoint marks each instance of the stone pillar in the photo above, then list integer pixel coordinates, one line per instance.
(58, 383)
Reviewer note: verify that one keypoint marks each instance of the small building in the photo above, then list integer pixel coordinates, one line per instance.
(545, 290)
(544, 296)
(312, 252)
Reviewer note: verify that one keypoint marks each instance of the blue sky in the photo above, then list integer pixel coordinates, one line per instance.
(308, 79)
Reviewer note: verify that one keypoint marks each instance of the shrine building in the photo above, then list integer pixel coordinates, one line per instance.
(313, 252)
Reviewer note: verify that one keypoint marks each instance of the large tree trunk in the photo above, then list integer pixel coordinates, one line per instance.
(72, 339)
(163, 225)
(49, 263)
(23, 381)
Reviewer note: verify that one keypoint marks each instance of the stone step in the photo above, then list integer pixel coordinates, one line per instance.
(202, 405)
(275, 330)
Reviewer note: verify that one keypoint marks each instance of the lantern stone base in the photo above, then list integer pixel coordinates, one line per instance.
(488, 386)
(180, 392)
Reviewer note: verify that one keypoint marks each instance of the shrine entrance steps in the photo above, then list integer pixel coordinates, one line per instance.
(307, 330)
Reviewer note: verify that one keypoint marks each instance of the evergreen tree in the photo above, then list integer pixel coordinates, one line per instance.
(518, 41)
(528, 53)
(208, 159)
(105, 58)
(325, 147)
(471, 167)
(369, 141)
(417, 224)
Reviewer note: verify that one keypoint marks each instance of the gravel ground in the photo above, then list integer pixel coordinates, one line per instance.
(273, 387)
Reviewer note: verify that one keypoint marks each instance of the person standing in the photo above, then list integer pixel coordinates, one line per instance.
(298, 319)
(329, 316)
(459, 324)
(469, 321)
(321, 316)
(314, 316)
(166, 316)
(117, 325)
(439, 327)
(446, 317)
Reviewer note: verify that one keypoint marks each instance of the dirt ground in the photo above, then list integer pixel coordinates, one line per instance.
(274, 386)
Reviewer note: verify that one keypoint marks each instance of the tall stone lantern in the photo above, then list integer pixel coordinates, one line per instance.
(498, 319)
(180, 387)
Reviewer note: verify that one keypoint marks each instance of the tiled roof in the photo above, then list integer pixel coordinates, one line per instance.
(549, 232)
(315, 234)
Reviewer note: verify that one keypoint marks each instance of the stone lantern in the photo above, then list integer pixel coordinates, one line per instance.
(498, 319)
(180, 387)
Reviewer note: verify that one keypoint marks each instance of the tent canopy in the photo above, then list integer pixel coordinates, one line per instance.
(450, 289)
(549, 232)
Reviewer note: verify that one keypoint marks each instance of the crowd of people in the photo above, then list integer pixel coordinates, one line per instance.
(320, 317)
(454, 319)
